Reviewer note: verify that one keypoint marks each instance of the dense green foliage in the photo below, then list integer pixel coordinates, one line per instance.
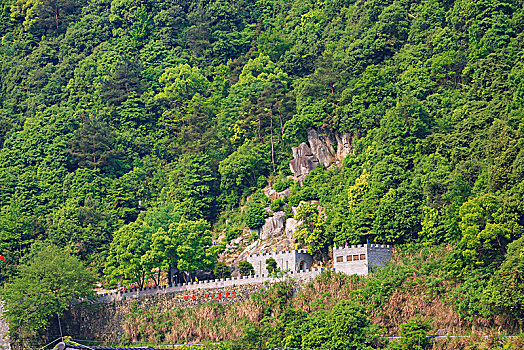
(271, 265)
(221, 270)
(245, 268)
(46, 285)
(128, 129)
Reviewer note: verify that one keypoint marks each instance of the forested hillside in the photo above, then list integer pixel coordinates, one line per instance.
(150, 123)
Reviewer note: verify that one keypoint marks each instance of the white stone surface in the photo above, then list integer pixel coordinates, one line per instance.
(4, 329)
(274, 226)
(344, 146)
(303, 161)
(291, 227)
(374, 255)
(321, 147)
(293, 260)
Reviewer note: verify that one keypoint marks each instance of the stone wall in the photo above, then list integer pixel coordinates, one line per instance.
(4, 330)
(287, 260)
(379, 254)
(360, 259)
(103, 318)
(202, 285)
(105, 321)
(349, 259)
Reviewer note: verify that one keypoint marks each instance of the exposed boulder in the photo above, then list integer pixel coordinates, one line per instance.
(321, 146)
(291, 227)
(272, 194)
(274, 226)
(344, 146)
(321, 149)
(303, 161)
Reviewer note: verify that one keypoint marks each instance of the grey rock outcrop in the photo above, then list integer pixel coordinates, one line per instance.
(321, 146)
(344, 146)
(274, 226)
(303, 161)
(322, 143)
(321, 149)
(272, 194)
(291, 227)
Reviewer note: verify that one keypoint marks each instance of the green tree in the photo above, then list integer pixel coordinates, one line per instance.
(93, 146)
(398, 216)
(311, 231)
(255, 215)
(192, 185)
(487, 224)
(245, 268)
(505, 291)
(271, 265)
(414, 334)
(186, 246)
(241, 170)
(345, 327)
(39, 15)
(47, 283)
(221, 270)
(127, 261)
(195, 251)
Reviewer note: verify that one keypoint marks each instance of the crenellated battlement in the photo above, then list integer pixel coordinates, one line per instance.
(232, 282)
(283, 253)
(292, 260)
(354, 246)
(354, 259)
(361, 258)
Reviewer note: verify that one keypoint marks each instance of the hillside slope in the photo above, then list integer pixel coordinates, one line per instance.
(161, 122)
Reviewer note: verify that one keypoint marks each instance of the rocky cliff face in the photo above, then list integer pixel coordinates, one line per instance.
(274, 226)
(321, 149)
(303, 162)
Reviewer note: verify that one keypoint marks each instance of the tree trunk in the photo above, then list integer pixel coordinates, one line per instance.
(56, 16)
(281, 125)
(259, 126)
(272, 145)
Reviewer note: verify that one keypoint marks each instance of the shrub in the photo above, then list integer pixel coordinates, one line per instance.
(255, 215)
(245, 268)
(414, 334)
(261, 181)
(271, 265)
(232, 233)
(276, 204)
(281, 185)
(345, 327)
(221, 270)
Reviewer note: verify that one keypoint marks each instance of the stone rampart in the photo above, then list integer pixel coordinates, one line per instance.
(202, 285)
(103, 317)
